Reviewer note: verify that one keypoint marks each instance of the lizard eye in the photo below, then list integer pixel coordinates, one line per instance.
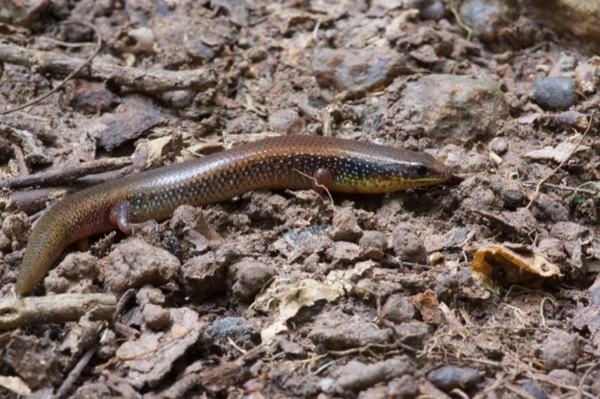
(421, 170)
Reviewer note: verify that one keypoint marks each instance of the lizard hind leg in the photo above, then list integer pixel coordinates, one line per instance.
(120, 216)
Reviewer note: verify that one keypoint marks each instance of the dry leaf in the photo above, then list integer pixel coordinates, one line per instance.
(15, 385)
(429, 307)
(560, 153)
(511, 264)
(309, 292)
(158, 150)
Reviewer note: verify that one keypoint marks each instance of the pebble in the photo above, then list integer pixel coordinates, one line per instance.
(533, 389)
(345, 226)
(249, 277)
(408, 246)
(75, 274)
(203, 276)
(14, 229)
(149, 294)
(398, 309)
(238, 329)
(339, 332)
(343, 252)
(499, 145)
(551, 209)
(562, 350)
(155, 317)
(488, 17)
(414, 333)
(565, 377)
(135, 263)
(557, 93)
(373, 244)
(356, 376)
(356, 71)
(138, 41)
(405, 387)
(178, 98)
(448, 378)
(449, 107)
(286, 121)
(88, 97)
(430, 9)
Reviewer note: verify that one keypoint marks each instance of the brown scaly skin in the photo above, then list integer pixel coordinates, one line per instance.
(287, 162)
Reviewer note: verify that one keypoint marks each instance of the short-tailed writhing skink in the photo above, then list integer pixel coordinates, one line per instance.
(287, 162)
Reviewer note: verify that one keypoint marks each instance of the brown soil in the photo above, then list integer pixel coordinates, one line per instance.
(286, 294)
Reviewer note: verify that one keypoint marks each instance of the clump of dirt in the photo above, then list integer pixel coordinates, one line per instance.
(297, 294)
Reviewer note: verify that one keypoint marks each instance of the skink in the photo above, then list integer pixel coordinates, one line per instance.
(287, 162)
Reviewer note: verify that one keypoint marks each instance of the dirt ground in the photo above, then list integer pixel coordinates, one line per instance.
(484, 287)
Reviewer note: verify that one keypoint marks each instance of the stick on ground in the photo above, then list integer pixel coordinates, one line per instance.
(143, 80)
(20, 312)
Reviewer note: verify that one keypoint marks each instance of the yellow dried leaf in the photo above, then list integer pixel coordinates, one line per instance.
(508, 264)
(306, 294)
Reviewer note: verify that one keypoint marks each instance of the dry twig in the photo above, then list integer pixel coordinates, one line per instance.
(67, 174)
(19, 312)
(143, 80)
(69, 77)
(541, 182)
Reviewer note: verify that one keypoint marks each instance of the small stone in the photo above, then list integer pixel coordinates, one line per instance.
(311, 263)
(249, 277)
(88, 97)
(565, 377)
(398, 309)
(75, 275)
(108, 346)
(490, 344)
(448, 378)
(405, 387)
(425, 54)
(203, 276)
(373, 244)
(488, 17)
(345, 226)
(562, 350)
(376, 392)
(178, 98)
(253, 385)
(414, 333)
(356, 71)
(35, 360)
(408, 246)
(430, 9)
(289, 347)
(237, 329)
(499, 145)
(156, 317)
(447, 107)
(338, 332)
(286, 121)
(555, 93)
(135, 263)
(552, 248)
(15, 227)
(149, 294)
(355, 376)
(343, 252)
(551, 209)
(93, 390)
(533, 389)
